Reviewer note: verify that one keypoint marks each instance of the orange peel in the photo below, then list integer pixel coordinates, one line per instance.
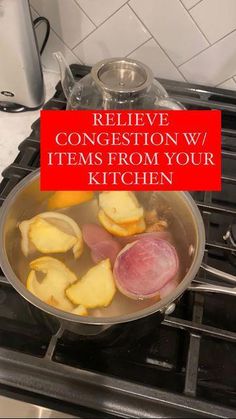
(66, 199)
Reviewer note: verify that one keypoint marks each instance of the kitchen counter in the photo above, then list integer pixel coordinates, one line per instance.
(14, 128)
(9, 407)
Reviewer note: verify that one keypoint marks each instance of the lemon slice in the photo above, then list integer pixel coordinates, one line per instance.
(49, 239)
(95, 289)
(121, 230)
(80, 310)
(46, 263)
(51, 289)
(65, 199)
(51, 232)
(120, 206)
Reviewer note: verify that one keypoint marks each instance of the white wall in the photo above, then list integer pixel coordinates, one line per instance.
(188, 40)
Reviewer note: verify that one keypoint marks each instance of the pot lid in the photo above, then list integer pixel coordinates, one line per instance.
(120, 75)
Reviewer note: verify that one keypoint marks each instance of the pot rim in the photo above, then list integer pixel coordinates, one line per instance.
(66, 316)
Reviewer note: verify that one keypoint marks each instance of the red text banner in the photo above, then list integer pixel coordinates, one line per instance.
(130, 150)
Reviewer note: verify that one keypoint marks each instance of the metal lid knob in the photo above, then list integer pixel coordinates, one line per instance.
(120, 75)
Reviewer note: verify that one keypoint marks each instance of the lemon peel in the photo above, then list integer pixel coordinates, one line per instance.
(27, 229)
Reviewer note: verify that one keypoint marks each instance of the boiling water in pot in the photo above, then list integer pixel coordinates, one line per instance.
(87, 213)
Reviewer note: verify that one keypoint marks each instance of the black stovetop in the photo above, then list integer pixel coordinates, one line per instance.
(184, 367)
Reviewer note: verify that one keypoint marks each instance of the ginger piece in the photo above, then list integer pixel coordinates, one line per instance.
(160, 225)
(151, 217)
(154, 223)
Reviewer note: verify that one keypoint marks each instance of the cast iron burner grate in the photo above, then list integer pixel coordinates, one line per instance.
(183, 368)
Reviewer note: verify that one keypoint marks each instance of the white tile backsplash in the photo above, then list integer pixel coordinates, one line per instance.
(216, 18)
(172, 26)
(214, 65)
(152, 55)
(54, 44)
(66, 18)
(171, 36)
(190, 3)
(98, 11)
(228, 84)
(113, 37)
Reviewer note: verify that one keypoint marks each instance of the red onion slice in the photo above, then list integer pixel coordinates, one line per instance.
(164, 235)
(93, 234)
(168, 288)
(105, 249)
(144, 267)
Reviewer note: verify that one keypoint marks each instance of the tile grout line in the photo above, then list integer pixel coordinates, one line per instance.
(55, 33)
(81, 8)
(224, 81)
(143, 43)
(94, 30)
(152, 36)
(199, 28)
(195, 55)
(64, 43)
(195, 5)
(137, 16)
(209, 46)
(225, 36)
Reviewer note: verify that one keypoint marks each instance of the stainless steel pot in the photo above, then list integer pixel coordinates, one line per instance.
(25, 201)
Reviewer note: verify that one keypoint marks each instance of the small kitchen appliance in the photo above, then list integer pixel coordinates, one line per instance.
(21, 77)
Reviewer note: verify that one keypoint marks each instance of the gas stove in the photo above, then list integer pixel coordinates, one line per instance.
(184, 367)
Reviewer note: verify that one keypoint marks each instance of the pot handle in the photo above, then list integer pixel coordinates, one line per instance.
(212, 288)
(215, 288)
(219, 274)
